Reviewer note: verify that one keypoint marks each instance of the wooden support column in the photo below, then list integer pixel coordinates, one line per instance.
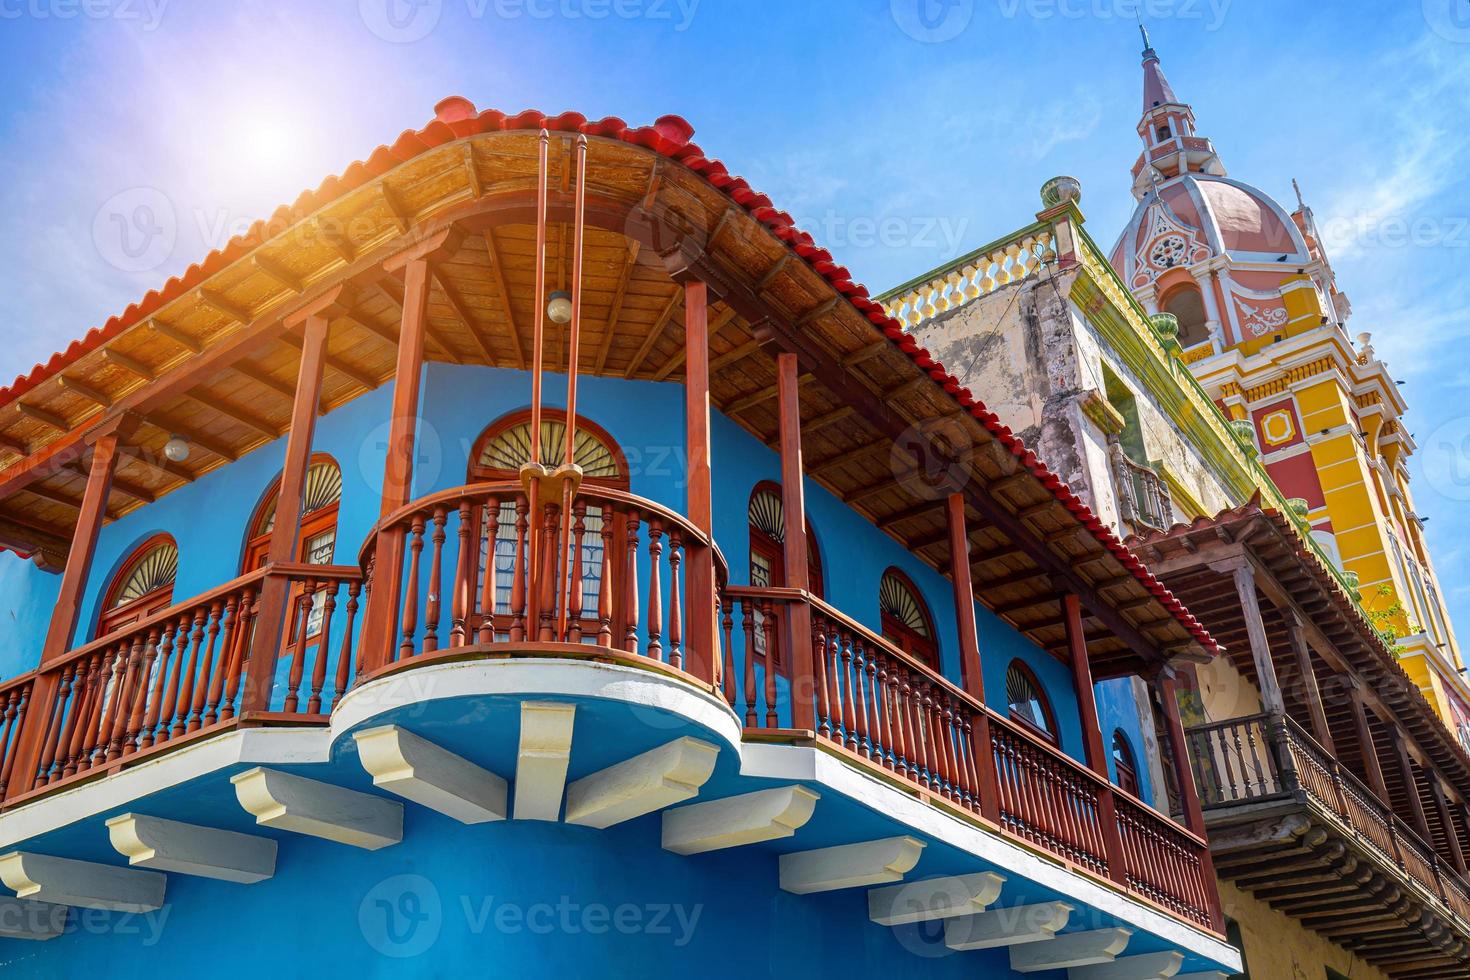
(380, 621)
(84, 541)
(1366, 747)
(702, 645)
(964, 597)
(1245, 587)
(1446, 818)
(1194, 816)
(40, 713)
(272, 609)
(793, 502)
(1097, 759)
(1310, 691)
(1420, 820)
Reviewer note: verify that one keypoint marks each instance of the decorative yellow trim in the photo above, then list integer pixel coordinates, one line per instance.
(1103, 415)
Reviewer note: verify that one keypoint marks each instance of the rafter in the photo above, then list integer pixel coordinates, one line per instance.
(497, 279)
(615, 311)
(85, 390)
(129, 363)
(654, 332)
(457, 307)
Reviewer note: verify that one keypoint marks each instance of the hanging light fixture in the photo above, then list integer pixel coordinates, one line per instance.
(559, 307)
(176, 449)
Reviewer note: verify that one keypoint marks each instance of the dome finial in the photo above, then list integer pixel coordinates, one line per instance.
(1148, 48)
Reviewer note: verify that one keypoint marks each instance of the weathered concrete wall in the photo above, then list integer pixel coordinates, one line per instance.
(1034, 359)
(1277, 947)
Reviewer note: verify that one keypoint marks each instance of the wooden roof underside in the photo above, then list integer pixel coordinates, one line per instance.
(218, 367)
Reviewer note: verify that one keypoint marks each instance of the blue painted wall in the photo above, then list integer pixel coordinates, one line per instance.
(1118, 711)
(27, 598)
(208, 518)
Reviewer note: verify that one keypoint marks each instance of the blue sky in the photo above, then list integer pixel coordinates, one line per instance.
(935, 121)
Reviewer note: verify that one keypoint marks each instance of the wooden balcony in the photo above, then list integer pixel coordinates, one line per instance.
(1143, 496)
(619, 581)
(885, 711)
(1291, 824)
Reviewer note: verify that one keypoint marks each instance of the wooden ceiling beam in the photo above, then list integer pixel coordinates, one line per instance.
(733, 355)
(43, 416)
(395, 208)
(158, 462)
(864, 353)
(277, 273)
(14, 445)
(716, 324)
(129, 363)
(85, 390)
(457, 307)
(502, 293)
(837, 414)
(210, 299)
(392, 289)
(184, 431)
(923, 509)
(261, 377)
(248, 419)
(191, 344)
(472, 172)
(615, 312)
(656, 331)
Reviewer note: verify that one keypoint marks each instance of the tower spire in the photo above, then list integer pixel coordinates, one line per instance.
(1171, 145)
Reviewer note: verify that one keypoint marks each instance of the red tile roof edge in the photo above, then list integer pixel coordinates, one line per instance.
(669, 136)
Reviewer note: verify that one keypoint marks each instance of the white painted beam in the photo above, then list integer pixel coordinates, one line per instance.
(1007, 927)
(541, 762)
(849, 865)
(652, 780)
(1147, 966)
(63, 881)
(417, 769)
(286, 801)
(934, 898)
(766, 814)
(168, 845)
(21, 918)
(1072, 949)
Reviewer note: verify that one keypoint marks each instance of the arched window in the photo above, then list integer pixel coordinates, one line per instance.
(767, 515)
(1124, 763)
(905, 617)
(317, 541)
(497, 457)
(1188, 307)
(144, 584)
(1027, 703)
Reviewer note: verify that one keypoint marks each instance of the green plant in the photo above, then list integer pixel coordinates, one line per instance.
(1383, 618)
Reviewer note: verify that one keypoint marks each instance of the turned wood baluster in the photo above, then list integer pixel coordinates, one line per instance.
(849, 708)
(182, 698)
(884, 723)
(15, 716)
(574, 574)
(896, 709)
(232, 655)
(747, 623)
(874, 726)
(210, 681)
(819, 658)
(76, 717)
(298, 652)
(655, 589)
(323, 649)
(367, 593)
(98, 719)
(550, 592)
(409, 624)
(53, 727)
(768, 627)
(166, 645)
(630, 587)
(605, 581)
(124, 694)
(951, 762)
(465, 570)
(972, 774)
(728, 631)
(434, 605)
(491, 537)
(187, 643)
(139, 696)
(863, 735)
(344, 658)
(676, 625)
(521, 573)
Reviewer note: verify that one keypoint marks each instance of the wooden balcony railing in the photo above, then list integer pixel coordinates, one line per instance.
(1264, 756)
(887, 710)
(1142, 493)
(160, 680)
(616, 583)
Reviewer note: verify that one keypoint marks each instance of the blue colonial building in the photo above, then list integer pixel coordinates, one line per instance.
(531, 551)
